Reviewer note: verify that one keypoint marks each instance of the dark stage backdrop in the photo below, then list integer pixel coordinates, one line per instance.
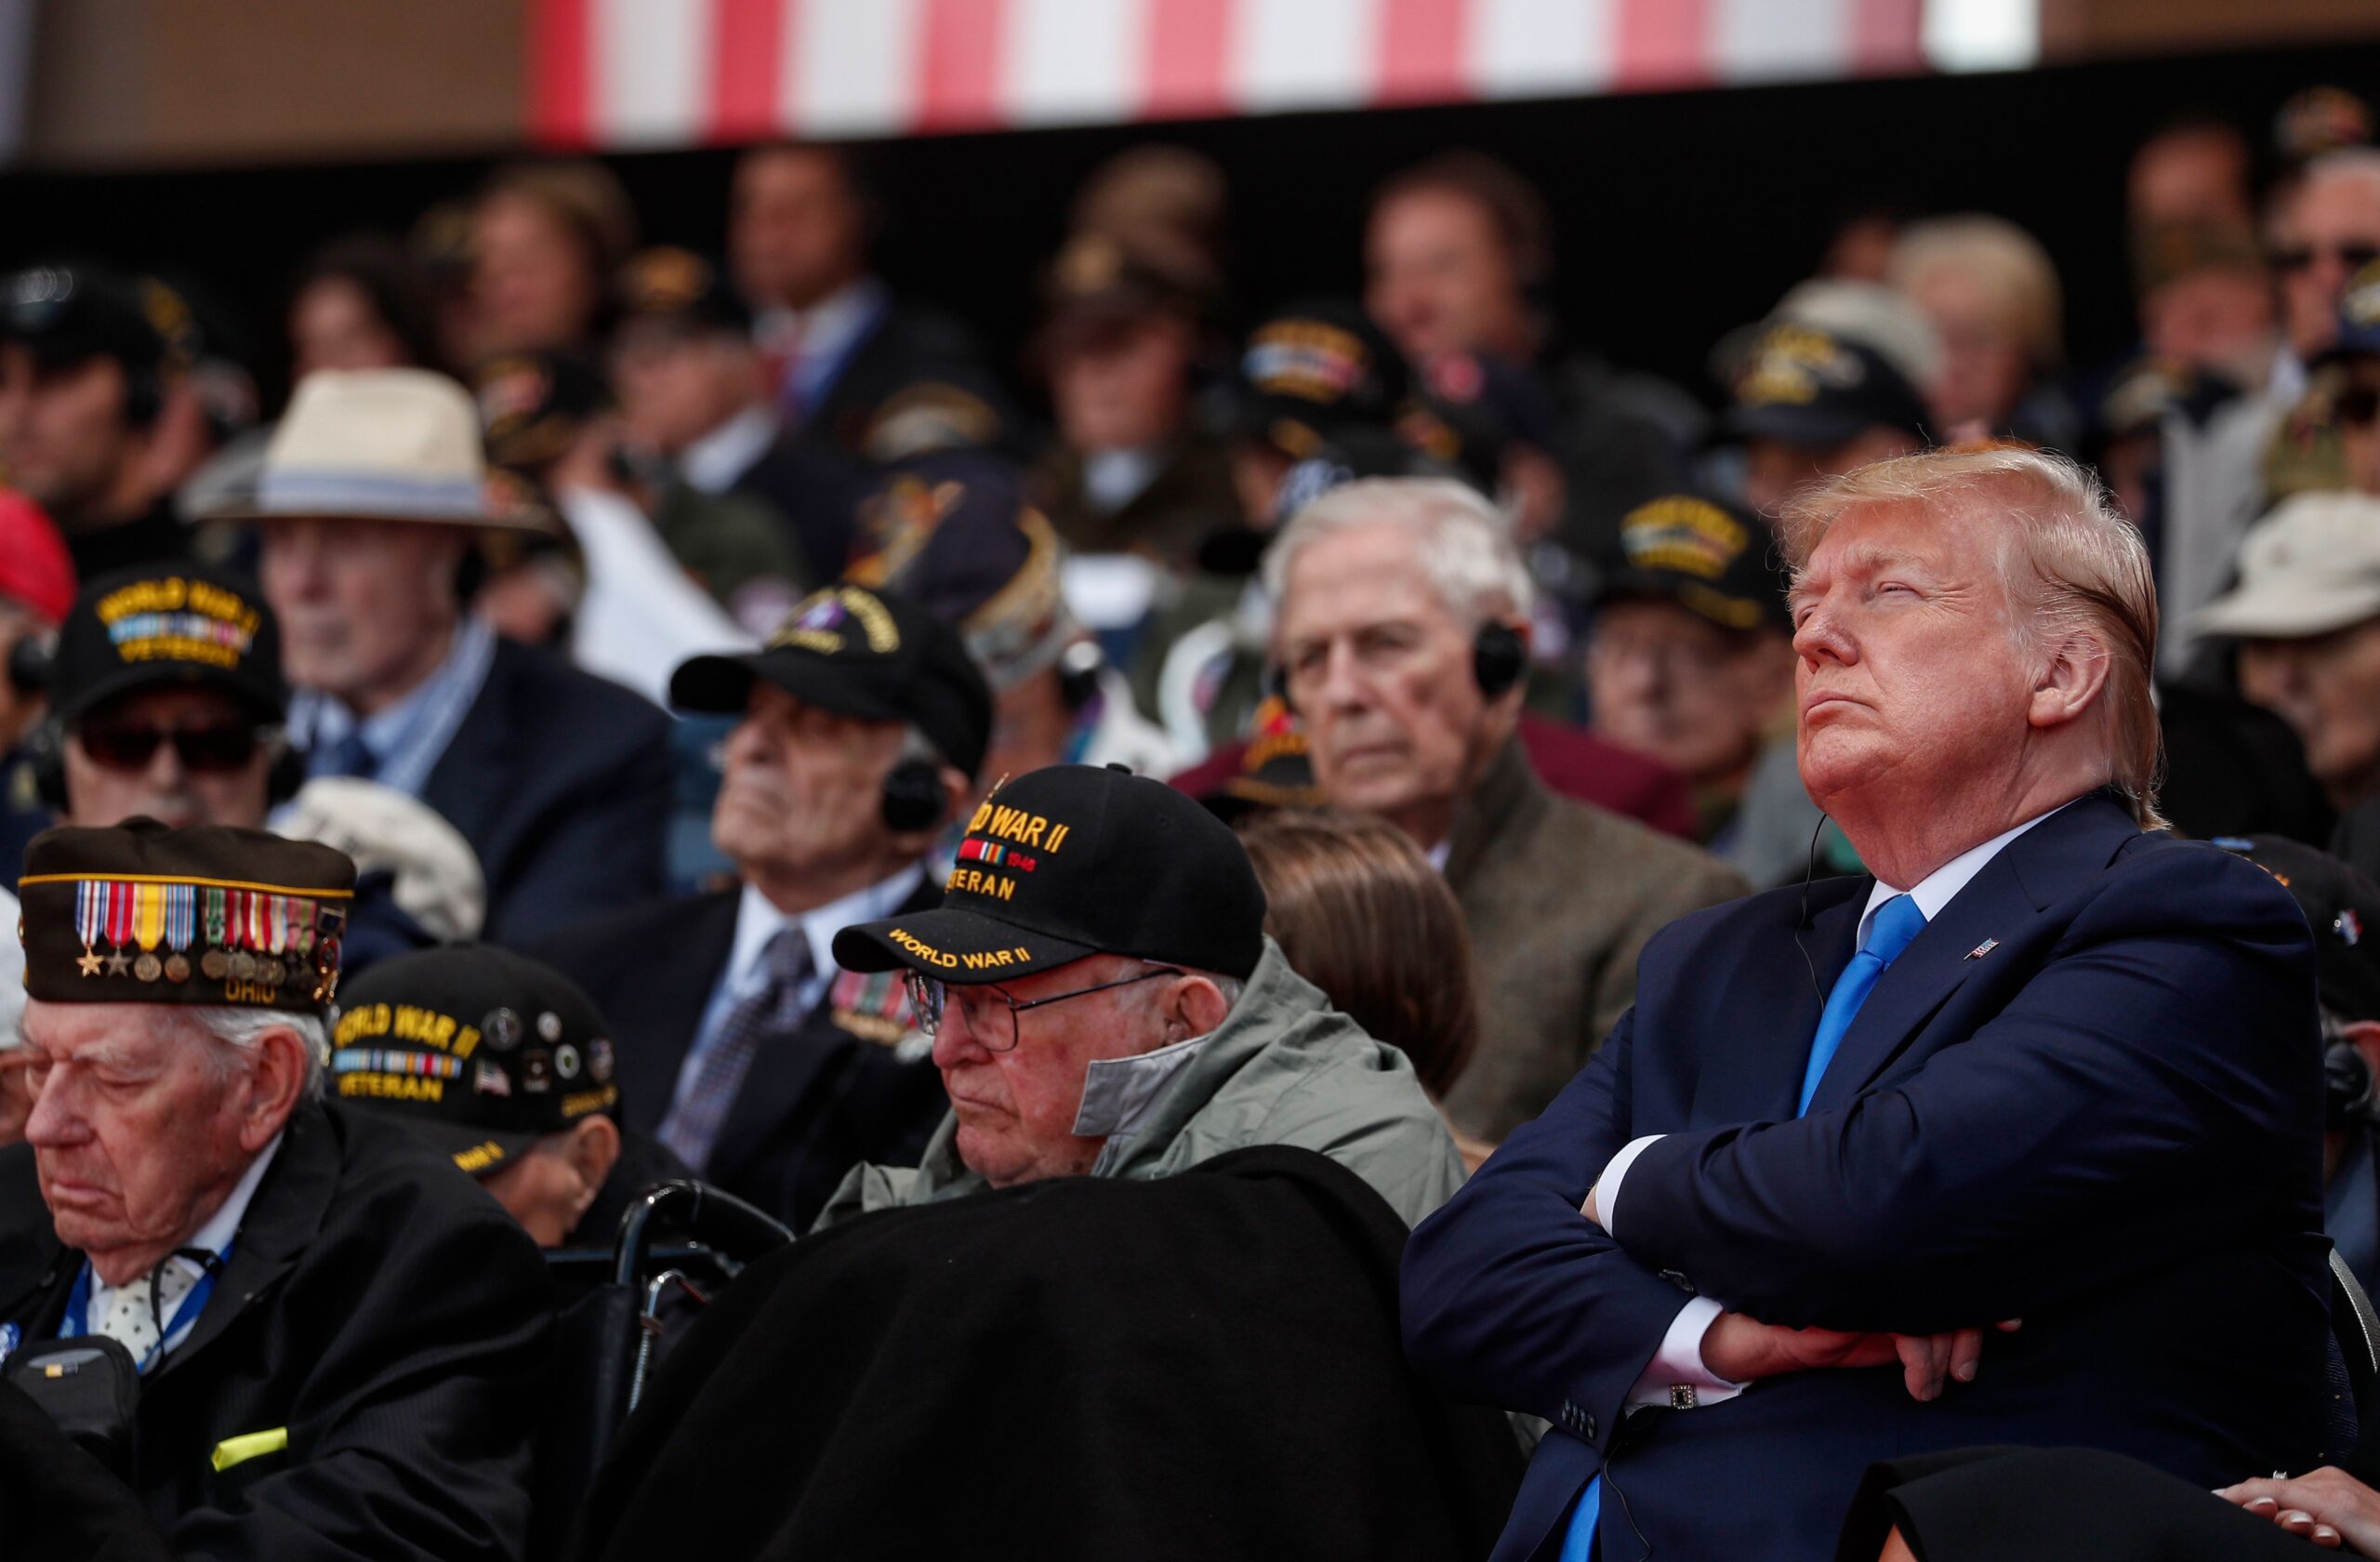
(1679, 215)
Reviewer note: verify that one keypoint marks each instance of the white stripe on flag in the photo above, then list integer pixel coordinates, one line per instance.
(858, 65)
(1780, 40)
(1073, 60)
(1521, 48)
(1301, 54)
(652, 69)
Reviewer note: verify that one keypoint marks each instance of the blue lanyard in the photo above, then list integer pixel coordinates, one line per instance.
(78, 1305)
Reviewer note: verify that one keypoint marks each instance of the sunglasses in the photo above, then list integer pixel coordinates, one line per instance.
(2298, 257)
(2357, 405)
(203, 750)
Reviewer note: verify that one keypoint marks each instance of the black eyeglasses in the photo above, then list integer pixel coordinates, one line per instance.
(203, 750)
(926, 995)
(2296, 258)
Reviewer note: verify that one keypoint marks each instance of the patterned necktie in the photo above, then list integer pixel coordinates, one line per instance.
(1897, 921)
(692, 1128)
(132, 1314)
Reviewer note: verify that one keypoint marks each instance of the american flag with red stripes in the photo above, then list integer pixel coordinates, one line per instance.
(676, 72)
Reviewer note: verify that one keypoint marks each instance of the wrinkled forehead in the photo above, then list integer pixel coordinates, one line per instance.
(128, 1034)
(1945, 539)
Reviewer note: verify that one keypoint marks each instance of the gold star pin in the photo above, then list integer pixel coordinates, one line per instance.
(88, 962)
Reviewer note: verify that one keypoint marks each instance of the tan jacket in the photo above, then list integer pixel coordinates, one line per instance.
(1560, 897)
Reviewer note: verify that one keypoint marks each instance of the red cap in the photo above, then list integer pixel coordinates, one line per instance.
(34, 568)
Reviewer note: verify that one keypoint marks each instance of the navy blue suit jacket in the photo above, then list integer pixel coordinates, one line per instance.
(2108, 1125)
(831, 1095)
(560, 780)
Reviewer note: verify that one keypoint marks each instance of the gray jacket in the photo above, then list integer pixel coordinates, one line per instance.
(1283, 1068)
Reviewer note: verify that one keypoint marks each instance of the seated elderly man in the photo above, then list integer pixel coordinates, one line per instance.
(1689, 661)
(742, 1046)
(339, 1344)
(371, 507)
(1104, 1002)
(1401, 630)
(2306, 616)
(168, 702)
(2048, 1065)
(503, 1065)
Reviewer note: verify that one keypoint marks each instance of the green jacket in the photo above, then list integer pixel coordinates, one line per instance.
(1283, 1068)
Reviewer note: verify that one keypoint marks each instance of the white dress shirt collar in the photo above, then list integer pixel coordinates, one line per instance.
(215, 1237)
(757, 921)
(1934, 891)
(713, 462)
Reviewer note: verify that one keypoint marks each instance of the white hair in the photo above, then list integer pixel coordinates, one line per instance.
(244, 1029)
(1144, 995)
(2357, 162)
(1465, 545)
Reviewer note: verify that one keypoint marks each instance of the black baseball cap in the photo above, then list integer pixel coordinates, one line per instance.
(479, 1050)
(952, 530)
(873, 655)
(1712, 559)
(533, 405)
(1311, 373)
(2342, 906)
(1073, 861)
(678, 287)
(182, 622)
(1814, 390)
(69, 315)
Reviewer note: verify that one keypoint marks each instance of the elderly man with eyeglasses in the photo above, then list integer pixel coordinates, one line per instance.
(1104, 1002)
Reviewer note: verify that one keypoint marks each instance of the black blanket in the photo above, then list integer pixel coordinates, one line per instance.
(1200, 1367)
(59, 1504)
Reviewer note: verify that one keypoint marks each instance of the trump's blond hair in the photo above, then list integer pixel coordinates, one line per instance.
(2074, 569)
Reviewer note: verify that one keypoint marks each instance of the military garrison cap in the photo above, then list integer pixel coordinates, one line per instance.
(140, 913)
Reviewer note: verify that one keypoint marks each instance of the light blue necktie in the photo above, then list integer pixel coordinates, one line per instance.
(1898, 920)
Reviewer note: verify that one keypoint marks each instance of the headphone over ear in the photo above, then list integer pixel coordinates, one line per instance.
(913, 796)
(2349, 1089)
(1498, 660)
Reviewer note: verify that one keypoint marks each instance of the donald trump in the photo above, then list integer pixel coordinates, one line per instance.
(2045, 1064)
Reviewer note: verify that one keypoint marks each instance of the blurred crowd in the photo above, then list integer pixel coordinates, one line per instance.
(674, 614)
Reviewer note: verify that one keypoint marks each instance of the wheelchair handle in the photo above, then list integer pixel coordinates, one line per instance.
(706, 1213)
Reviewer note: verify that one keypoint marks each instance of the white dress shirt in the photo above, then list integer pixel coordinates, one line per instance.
(713, 462)
(818, 342)
(1678, 1364)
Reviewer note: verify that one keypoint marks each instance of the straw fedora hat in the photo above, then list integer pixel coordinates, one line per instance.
(381, 444)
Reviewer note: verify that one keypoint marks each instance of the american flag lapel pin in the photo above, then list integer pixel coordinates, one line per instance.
(1983, 949)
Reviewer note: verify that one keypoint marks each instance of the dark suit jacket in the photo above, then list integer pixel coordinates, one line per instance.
(817, 1102)
(2108, 1124)
(912, 357)
(379, 1305)
(560, 780)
